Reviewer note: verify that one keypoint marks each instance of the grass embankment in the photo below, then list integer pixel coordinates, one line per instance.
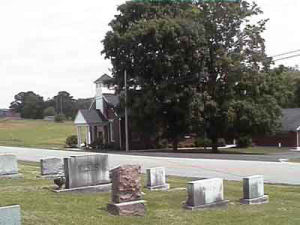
(248, 151)
(41, 206)
(35, 133)
(255, 150)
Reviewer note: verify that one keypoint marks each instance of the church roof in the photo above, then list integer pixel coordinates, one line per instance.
(103, 78)
(112, 99)
(90, 117)
(290, 119)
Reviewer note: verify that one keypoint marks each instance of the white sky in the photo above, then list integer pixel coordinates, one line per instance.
(47, 46)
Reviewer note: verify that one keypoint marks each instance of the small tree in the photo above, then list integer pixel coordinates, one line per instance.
(49, 111)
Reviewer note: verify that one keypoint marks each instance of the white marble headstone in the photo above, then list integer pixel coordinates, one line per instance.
(86, 170)
(10, 215)
(8, 164)
(253, 187)
(206, 191)
(52, 166)
(156, 177)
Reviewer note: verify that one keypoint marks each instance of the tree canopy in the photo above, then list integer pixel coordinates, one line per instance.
(29, 105)
(200, 66)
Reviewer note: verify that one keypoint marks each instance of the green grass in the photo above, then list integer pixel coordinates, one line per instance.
(41, 206)
(249, 151)
(35, 133)
(255, 150)
(295, 160)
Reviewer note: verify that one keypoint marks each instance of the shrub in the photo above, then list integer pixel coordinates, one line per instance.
(203, 142)
(71, 141)
(59, 118)
(244, 142)
(221, 142)
(163, 143)
(97, 144)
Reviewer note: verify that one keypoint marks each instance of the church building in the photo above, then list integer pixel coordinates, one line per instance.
(104, 125)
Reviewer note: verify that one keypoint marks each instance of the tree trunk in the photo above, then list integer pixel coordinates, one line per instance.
(175, 144)
(215, 145)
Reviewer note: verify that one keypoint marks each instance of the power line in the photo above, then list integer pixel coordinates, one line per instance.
(286, 53)
(289, 57)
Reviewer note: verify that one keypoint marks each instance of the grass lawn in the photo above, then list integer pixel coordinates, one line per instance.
(43, 207)
(35, 133)
(255, 150)
(249, 151)
(295, 160)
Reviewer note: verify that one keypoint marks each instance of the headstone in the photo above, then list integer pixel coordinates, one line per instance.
(86, 170)
(52, 166)
(10, 215)
(126, 192)
(156, 179)
(206, 193)
(8, 165)
(253, 188)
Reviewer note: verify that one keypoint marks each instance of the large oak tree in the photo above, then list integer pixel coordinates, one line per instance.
(203, 63)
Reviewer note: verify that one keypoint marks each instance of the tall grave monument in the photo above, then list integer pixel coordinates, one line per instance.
(126, 192)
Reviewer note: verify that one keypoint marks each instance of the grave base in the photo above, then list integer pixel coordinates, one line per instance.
(95, 188)
(49, 177)
(159, 188)
(11, 176)
(207, 206)
(134, 208)
(255, 201)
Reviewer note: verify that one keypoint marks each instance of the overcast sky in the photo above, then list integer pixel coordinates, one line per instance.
(47, 46)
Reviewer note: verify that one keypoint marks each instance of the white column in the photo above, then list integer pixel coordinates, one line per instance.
(87, 138)
(120, 135)
(297, 140)
(78, 136)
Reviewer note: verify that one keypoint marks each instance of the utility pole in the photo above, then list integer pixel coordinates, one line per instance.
(61, 104)
(126, 113)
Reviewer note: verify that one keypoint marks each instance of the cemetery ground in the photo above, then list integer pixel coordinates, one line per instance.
(41, 206)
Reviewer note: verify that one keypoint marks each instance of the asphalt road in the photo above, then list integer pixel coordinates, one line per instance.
(274, 172)
(273, 157)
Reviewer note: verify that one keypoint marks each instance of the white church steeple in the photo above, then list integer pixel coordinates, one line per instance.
(101, 89)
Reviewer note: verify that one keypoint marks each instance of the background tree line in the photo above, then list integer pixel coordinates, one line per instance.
(33, 106)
